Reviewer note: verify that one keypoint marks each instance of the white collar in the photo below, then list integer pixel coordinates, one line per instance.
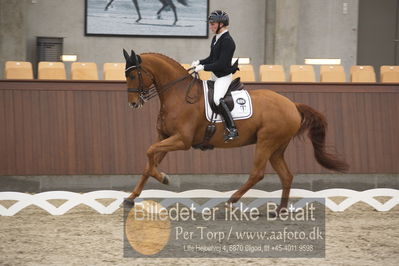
(219, 35)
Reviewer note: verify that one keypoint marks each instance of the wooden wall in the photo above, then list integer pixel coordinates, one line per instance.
(67, 127)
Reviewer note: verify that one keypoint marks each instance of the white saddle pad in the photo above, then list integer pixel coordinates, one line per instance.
(242, 105)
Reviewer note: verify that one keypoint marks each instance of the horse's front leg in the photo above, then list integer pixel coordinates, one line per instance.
(160, 10)
(160, 176)
(155, 153)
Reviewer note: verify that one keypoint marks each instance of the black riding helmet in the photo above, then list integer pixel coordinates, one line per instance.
(219, 16)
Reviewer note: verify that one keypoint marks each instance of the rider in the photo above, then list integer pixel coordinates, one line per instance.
(219, 62)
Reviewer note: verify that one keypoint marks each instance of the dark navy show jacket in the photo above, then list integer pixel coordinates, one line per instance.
(219, 60)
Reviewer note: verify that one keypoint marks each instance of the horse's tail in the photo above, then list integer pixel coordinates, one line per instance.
(183, 2)
(316, 123)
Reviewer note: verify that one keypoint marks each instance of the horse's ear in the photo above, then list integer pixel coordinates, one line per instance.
(132, 55)
(133, 58)
(126, 55)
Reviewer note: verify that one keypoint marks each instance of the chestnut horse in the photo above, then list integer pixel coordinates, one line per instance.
(181, 124)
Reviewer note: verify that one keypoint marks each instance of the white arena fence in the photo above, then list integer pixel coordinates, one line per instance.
(73, 199)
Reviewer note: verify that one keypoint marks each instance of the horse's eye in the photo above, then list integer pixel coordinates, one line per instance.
(131, 76)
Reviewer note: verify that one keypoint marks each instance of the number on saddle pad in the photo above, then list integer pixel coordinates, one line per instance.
(238, 100)
(235, 85)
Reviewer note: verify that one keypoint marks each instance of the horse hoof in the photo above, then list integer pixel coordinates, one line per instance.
(165, 179)
(272, 214)
(128, 203)
(232, 200)
(137, 20)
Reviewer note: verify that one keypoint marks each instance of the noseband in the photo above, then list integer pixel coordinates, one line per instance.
(145, 94)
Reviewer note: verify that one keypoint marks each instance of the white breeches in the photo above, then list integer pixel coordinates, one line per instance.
(221, 86)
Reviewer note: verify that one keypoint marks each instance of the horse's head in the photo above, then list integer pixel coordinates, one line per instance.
(141, 83)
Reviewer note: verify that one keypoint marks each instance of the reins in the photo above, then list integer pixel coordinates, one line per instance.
(190, 99)
(154, 90)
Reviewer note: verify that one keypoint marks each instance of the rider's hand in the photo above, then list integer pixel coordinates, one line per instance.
(199, 68)
(195, 63)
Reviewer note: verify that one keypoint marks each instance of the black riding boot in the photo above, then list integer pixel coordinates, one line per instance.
(230, 127)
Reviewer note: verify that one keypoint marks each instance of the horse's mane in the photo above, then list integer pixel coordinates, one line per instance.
(167, 58)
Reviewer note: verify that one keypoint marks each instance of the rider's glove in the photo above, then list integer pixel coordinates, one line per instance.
(199, 68)
(195, 63)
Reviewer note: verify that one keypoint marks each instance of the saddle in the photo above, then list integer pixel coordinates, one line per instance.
(235, 85)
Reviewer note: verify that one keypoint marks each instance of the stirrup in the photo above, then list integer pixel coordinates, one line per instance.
(232, 133)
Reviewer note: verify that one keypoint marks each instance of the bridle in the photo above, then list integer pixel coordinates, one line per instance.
(145, 94)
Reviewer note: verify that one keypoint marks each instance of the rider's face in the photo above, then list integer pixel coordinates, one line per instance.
(213, 27)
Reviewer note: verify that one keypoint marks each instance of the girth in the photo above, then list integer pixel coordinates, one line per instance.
(235, 85)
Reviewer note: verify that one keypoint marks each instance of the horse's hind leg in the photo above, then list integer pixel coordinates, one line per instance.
(174, 12)
(280, 166)
(262, 155)
(136, 5)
